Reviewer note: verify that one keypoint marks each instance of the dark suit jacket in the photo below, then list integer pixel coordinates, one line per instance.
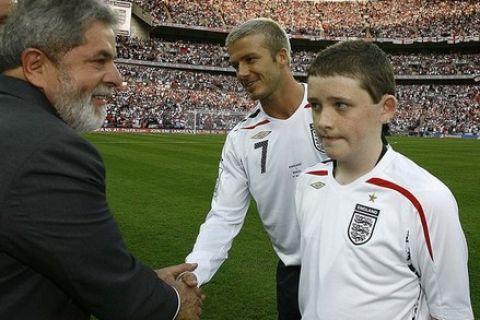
(61, 253)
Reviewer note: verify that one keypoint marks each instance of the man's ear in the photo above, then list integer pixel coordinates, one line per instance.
(389, 107)
(37, 67)
(282, 56)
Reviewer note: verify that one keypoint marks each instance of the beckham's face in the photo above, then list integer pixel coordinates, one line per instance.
(257, 70)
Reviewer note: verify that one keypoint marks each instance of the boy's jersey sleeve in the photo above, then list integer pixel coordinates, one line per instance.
(442, 263)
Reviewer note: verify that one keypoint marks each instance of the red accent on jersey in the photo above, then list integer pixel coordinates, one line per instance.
(258, 124)
(387, 184)
(318, 172)
(308, 105)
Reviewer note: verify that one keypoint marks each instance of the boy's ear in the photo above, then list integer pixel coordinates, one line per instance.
(36, 67)
(389, 107)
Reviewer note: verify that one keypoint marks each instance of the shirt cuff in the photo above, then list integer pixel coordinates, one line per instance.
(179, 303)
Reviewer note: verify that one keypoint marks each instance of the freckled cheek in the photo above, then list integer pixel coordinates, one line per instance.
(352, 126)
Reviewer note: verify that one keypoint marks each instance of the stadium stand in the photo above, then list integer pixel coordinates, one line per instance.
(180, 78)
(387, 19)
(205, 54)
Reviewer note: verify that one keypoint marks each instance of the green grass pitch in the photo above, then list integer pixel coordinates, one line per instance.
(159, 188)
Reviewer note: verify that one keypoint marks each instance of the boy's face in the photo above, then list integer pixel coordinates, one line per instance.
(346, 118)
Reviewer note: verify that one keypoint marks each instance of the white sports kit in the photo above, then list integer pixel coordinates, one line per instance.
(262, 157)
(387, 246)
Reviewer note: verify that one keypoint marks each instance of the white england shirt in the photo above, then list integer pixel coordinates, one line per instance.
(387, 246)
(262, 157)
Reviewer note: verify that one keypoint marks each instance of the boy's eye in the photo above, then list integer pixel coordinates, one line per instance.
(315, 106)
(341, 105)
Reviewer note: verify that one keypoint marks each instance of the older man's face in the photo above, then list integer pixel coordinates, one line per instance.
(82, 81)
(4, 10)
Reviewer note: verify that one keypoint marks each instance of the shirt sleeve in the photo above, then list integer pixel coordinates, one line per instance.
(443, 269)
(179, 303)
(229, 206)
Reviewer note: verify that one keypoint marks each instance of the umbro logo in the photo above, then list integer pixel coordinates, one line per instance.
(318, 185)
(261, 135)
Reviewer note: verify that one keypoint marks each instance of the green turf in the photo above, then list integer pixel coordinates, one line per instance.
(159, 189)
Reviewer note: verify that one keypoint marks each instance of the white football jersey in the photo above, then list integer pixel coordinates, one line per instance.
(387, 246)
(262, 157)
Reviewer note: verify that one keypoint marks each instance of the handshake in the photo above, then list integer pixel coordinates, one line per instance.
(185, 282)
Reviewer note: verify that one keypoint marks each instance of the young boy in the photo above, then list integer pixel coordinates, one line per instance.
(380, 236)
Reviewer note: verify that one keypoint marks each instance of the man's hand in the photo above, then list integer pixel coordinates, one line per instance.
(191, 299)
(190, 279)
(170, 274)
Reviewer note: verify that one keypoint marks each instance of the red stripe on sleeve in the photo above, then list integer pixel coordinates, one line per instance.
(258, 124)
(318, 172)
(387, 184)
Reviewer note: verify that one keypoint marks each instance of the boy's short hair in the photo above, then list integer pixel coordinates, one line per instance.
(359, 60)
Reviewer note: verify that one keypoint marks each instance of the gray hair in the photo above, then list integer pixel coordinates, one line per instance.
(276, 37)
(52, 26)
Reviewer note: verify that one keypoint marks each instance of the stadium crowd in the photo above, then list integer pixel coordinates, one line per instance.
(174, 99)
(379, 19)
(207, 54)
(159, 97)
(429, 109)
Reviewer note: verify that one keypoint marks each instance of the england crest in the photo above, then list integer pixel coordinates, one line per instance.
(316, 140)
(362, 224)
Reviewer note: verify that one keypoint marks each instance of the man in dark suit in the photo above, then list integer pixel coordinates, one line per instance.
(61, 253)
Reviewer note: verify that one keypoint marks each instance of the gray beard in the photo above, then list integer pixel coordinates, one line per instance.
(75, 107)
